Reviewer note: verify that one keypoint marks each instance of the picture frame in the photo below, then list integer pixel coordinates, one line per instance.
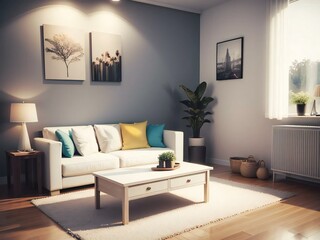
(63, 53)
(229, 59)
(106, 57)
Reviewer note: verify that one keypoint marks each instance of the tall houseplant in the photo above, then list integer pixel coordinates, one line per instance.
(196, 108)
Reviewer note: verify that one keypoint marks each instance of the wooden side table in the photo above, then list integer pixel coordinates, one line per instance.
(14, 161)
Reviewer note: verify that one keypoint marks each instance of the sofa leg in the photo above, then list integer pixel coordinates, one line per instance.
(53, 193)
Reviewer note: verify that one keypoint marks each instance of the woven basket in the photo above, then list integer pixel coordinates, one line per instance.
(249, 167)
(235, 163)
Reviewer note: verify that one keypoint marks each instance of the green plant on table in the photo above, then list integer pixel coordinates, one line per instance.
(167, 156)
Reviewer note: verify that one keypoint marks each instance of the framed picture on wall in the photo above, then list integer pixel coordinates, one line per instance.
(229, 59)
(63, 50)
(106, 57)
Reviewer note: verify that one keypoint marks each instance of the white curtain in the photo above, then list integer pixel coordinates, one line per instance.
(277, 62)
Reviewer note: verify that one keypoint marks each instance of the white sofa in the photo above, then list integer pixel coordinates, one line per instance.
(61, 172)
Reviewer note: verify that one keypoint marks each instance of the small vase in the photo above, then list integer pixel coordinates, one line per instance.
(301, 109)
(262, 172)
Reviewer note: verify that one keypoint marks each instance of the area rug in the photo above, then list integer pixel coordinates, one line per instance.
(156, 217)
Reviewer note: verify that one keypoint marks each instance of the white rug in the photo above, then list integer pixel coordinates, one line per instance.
(154, 217)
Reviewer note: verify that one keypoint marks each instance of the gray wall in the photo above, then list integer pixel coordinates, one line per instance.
(160, 51)
(240, 127)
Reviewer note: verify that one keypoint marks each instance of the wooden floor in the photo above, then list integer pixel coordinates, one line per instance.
(295, 218)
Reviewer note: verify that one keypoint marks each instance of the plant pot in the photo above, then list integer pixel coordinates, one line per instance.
(301, 109)
(195, 142)
(170, 164)
(161, 164)
(197, 154)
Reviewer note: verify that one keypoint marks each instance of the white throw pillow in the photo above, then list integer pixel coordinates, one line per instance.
(109, 137)
(85, 140)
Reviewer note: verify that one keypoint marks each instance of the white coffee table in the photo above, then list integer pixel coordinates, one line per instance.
(139, 182)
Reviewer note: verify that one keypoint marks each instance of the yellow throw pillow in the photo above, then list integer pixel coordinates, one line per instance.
(134, 135)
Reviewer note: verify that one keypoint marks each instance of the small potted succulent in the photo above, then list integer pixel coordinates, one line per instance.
(301, 99)
(167, 160)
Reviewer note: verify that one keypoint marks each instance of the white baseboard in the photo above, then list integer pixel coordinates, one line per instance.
(222, 162)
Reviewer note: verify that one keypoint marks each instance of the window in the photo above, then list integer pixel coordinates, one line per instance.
(303, 47)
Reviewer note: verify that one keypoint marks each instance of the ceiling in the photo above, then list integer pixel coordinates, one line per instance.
(195, 6)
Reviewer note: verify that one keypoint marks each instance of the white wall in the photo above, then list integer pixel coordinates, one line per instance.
(160, 51)
(239, 128)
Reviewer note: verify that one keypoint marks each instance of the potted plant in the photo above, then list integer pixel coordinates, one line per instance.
(196, 111)
(167, 160)
(301, 98)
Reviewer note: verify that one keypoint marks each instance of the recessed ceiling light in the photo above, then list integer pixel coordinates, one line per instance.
(115, 0)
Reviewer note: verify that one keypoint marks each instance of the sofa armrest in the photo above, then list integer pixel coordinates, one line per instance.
(174, 140)
(52, 162)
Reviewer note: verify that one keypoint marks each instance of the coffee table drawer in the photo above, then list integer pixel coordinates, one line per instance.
(188, 180)
(147, 189)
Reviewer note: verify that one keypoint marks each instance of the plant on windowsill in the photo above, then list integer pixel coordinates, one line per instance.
(167, 160)
(300, 99)
(196, 109)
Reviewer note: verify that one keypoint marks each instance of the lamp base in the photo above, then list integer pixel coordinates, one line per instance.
(24, 141)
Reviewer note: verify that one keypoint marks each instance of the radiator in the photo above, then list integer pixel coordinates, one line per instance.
(296, 151)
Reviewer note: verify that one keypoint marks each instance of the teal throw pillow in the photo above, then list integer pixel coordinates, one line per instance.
(155, 135)
(68, 148)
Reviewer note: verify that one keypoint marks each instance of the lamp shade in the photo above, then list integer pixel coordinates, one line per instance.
(23, 112)
(317, 91)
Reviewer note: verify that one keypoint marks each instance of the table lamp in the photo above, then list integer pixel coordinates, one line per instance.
(23, 113)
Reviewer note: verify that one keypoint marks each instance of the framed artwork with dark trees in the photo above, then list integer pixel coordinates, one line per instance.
(229, 59)
(64, 57)
(106, 57)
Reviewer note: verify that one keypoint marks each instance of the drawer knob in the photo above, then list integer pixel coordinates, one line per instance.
(189, 180)
(148, 188)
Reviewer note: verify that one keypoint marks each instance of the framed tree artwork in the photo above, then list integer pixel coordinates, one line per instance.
(229, 59)
(106, 57)
(64, 55)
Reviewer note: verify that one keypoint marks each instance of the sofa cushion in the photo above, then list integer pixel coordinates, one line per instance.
(134, 135)
(109, 137)
(68, 148)
(50, 132)
(135, 157)
(80, 165)
(155, 135)
(85, 140)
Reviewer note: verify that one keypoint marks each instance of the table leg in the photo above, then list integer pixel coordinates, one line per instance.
(206, 187)
(97, 192)
(29, 172)
(125, 207)
(16, 171)
(8, 170)
(39, 173)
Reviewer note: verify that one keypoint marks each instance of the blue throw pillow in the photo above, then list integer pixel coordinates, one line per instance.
(155, 135)
(68, 148)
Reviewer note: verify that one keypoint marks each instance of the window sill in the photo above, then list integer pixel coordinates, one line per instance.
(305, 116)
